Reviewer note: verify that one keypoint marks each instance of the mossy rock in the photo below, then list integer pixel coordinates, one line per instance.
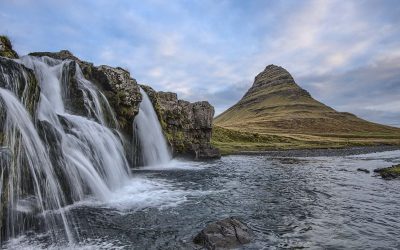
(6, 49)
(392, 172)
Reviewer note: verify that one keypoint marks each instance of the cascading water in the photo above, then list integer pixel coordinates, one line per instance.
(91, 154)
(152, 142)
(54, 152)
(24, 193)
(62, 159)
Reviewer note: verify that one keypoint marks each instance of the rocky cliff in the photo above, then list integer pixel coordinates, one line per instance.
(187, 126)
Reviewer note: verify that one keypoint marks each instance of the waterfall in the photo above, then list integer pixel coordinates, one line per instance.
(58, 156)
(21, 193)
(91, 154)
(152, 142)
(57, 148)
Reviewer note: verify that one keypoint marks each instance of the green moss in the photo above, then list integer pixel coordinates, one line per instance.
(390, 172)
(6, 41)
(8, 51)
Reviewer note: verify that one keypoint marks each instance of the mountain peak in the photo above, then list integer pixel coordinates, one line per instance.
(275, 80)
(275, 103)
(273, 73)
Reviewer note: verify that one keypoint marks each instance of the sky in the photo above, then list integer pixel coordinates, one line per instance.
(345, 53)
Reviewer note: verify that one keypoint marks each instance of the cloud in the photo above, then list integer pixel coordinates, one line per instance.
(213, 49)
(371, 91)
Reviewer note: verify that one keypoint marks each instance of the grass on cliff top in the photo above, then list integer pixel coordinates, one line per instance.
(233, 141)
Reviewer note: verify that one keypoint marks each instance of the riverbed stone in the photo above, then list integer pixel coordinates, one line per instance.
(224, 234)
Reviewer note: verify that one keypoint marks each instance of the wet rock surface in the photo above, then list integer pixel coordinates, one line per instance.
(188, 126)
(21, 81)
(224, 234)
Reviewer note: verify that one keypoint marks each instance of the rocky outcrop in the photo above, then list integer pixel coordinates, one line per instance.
(187, 126)
(227, 233)
(6, 49)
(118, 86)
(122, 92)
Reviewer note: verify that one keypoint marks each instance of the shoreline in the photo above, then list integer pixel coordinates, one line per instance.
(319, 152)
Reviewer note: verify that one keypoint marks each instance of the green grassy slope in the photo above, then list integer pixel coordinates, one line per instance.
(276, 106)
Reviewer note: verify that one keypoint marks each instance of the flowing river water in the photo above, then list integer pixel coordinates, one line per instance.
(318, 202)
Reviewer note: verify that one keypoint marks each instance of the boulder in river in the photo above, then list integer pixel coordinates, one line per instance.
(226, 233)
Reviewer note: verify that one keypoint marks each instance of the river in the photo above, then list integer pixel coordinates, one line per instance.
(288, 201)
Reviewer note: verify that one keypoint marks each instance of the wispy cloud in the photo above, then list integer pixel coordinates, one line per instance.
(345, 52)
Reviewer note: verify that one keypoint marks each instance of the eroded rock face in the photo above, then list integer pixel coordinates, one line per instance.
(223, 234)
(122, 91)
(188, 126)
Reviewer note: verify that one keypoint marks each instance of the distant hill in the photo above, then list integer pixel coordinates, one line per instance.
(276, 105)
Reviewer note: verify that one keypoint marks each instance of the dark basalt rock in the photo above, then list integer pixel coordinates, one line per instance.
(223, 234)
(187, 126)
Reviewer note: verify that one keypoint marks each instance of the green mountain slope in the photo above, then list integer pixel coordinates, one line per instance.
(276, 105)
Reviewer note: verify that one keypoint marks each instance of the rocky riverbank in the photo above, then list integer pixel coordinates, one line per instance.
(321, 152)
